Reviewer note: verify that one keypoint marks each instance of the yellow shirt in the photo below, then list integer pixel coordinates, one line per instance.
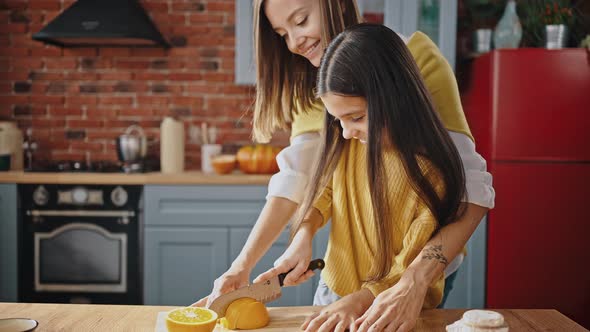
(352, 247)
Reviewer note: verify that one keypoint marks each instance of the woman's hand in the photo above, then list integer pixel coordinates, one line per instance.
(234, 278)
(296, 257)
(340, 315)
(396, 309)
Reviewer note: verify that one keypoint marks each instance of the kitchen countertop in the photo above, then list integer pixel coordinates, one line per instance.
(80, 317)
(185, 178)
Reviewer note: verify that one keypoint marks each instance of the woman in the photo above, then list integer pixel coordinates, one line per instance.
(289, 39)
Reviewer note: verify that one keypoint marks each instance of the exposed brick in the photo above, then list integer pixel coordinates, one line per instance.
(188, 6)
(126, 64)
(75, 134)
(64, 111)
(41, 76)
(209, 65)
(159, 88)
(89, 51)
(159, 64)
(61, 63)
(49, 51)
(26, 63)
(155, 6)
(209, 52)
(22, 87)
(178, 41)
(180, 111)
(20, 110)
(115, 100)
(44, 4)
(148, 52)
(80, 76)
(108, 51)
(19, 16)
(56, 87)
(185, 76)
(85, 123)
(13, 28)
(47, 100)
(13, 4)
(14, 51)
(88, 88)
(115, 76)
(147, 76)
(221, 6)
(123, 87)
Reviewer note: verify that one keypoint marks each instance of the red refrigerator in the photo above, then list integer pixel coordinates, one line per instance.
(529, 110)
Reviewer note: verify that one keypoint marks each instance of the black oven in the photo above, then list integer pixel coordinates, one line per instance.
(80, 244)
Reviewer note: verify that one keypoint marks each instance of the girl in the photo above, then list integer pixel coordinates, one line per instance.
(381, 133)
(290, 36)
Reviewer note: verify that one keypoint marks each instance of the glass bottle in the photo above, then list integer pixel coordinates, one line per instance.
(508, 32)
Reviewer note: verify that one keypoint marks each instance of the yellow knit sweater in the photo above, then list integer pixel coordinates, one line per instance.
(346, 200)
(352, 247)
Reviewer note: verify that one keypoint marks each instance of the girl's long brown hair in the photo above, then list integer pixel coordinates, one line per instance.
(285, 81)
(371, 61)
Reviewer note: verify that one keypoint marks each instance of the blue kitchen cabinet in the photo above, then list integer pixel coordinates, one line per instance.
(8, 243)
(182, 263)
(187, 237)
(469, 287)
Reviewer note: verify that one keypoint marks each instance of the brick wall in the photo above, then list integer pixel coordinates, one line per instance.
(78, 100)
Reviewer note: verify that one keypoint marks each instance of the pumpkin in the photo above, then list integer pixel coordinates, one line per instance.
(258, 159)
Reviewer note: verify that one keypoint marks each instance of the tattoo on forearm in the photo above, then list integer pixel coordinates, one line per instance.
(435, 252)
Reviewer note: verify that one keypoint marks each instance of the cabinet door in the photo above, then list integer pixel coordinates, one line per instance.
(469, 287)
(210, 206)
(301, 295)
(8, 243)
(181, 264)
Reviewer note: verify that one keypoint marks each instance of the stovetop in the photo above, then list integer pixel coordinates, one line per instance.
(103, 166)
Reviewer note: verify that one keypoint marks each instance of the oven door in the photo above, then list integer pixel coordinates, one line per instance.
(81, 253)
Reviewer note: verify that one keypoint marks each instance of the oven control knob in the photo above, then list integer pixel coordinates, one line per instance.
(40, 196)
(119, 196)
(79, 195)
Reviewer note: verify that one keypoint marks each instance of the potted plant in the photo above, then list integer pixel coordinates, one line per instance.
(547, 22)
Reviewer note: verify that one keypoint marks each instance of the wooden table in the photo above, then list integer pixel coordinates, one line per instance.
(111, 318)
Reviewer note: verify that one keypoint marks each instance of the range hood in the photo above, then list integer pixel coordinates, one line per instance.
(107, 23)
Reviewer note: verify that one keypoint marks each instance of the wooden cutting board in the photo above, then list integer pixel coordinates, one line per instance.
(281, 319)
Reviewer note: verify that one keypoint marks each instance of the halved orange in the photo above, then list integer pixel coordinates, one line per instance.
(191, 319)
(245, 314)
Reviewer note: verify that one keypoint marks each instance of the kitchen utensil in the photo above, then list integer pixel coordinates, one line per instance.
(11, 141)
(17, 324)
(264, 292)
(172, 146)
(132, 146)
(208, 151)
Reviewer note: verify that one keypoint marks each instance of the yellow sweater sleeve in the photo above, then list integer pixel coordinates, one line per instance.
(440, 81)
(324, 203)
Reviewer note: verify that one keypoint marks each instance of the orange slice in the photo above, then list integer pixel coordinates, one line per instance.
(191, 319)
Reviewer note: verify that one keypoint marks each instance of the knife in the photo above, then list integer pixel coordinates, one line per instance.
(265, 291)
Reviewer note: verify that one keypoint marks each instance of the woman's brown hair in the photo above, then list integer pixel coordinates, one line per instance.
(285, 81)
(371, 61)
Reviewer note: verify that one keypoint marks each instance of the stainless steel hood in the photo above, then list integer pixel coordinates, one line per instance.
(102, 23)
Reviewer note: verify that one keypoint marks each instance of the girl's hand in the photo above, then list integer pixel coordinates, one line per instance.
(396, 309)
(232, 279)
(340, 315)
(295, 258)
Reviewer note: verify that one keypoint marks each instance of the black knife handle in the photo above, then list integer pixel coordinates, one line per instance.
(313, 265)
